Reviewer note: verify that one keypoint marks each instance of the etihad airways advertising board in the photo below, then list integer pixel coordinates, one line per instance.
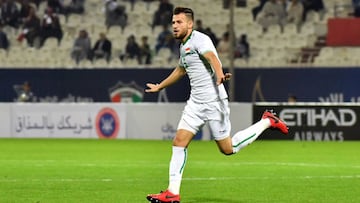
(317, 122)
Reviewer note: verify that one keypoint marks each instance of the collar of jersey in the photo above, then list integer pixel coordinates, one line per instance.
(187, 39)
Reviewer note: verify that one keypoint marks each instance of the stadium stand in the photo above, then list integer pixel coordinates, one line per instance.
(274, 48)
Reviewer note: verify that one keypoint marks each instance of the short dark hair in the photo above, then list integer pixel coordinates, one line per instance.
(187, 11)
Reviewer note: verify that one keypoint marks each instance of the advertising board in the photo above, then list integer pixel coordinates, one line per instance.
(314, 122)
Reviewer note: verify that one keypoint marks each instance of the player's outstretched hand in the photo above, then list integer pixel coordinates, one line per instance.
(226, 77)
(152, 87)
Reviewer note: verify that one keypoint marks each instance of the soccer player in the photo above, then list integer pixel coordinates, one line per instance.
(208, 102)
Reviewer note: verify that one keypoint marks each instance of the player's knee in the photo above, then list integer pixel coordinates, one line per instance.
(180, 142)
(182, 138)
(227, 152)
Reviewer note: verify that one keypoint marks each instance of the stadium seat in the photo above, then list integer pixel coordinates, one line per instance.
(3, 54)
(85, 64)
(291, 29)
(116, 63)
(100, 63)
(131, 63)
(141, 17)
(240, 62)
(326, 52)
(51, 43)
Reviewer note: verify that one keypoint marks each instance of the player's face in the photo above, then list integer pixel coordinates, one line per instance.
(181, 25)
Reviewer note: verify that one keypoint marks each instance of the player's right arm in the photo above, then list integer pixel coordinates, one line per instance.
(176, 75)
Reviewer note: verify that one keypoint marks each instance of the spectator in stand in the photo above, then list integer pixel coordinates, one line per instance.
(163, 16)
(132, 50)
(223, 46)
(224, 42)
(294, 12)
(173, 45)
(82, 47)
(57, 6)
(163, 39)
(25, 8)
(148, 3)
(284, 3)
(50, 26)
(256, 10)
(102, 48)
(10, 14)
(24, 92)
(292, 99)
(238, 3)
(31, 29)
(230, 29)
(4, 41)
(37, 3)
(273, 13)
(75, 6)
(145, 51)
(212, 36)
(356, 6)
(313, 5)
(115, 14)
(242, 49)
(199, 26)
(132, 3)
(166, 40)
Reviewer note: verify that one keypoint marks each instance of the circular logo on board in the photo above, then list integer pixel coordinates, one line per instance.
(107, 123)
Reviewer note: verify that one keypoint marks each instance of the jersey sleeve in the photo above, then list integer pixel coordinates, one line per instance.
(205, 45)
(180, 63)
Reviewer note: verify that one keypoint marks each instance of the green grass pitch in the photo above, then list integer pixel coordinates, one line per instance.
(125, 171)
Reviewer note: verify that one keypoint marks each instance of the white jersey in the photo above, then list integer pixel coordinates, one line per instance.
(201, 74)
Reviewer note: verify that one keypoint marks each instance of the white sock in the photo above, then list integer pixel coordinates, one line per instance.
(177, 165)
(245, 137)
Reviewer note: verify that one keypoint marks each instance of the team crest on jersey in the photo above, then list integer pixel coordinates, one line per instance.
(188, 51)
(107, 123)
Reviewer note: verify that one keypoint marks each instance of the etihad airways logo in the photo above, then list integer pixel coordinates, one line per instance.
(341, 117)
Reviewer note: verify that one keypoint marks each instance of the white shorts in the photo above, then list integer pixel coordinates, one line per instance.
(215, 113)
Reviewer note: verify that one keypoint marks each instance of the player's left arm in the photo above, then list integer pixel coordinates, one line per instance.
(216, 65)
(175, 75)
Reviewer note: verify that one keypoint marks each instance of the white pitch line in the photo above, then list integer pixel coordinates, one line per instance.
(186, 179)
(315, 165)
(58, 180)
(149, 164)
(271, 177)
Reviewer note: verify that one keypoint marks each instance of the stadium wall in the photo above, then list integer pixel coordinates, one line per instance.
(103, 120)
(307, 121)
(252, 84)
